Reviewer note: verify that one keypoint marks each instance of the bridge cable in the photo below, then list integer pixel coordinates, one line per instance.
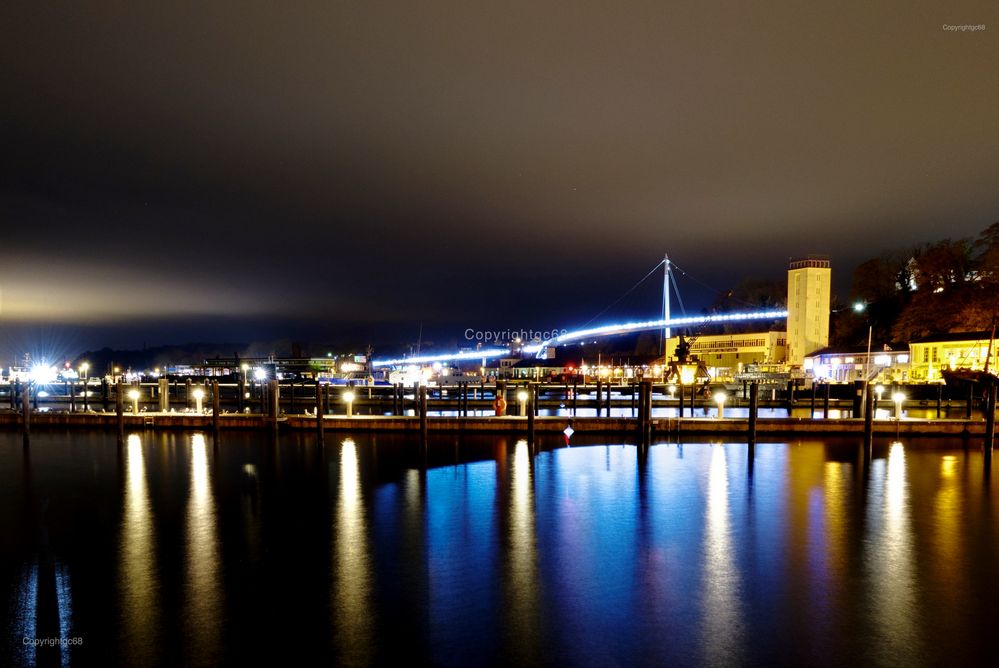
(630, 290)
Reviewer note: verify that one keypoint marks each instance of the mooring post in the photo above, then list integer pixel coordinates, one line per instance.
(119, 409)
(531, 409)
(680, 405)
(71, 386)
(990, 420)
(754, 409)
(575, 394)
(319, 411)
(26, 409)
(600, 390)
(15, 392)
(422, 401)
(825, 401)
(164, 397)
(859, 389)
(216, 408)
(969, 401)
(811, 407)
(790, 397)
(939, 399)
(241, 392)
(274, 409)
(868, 425)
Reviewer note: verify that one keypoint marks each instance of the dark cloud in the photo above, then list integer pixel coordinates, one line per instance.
(437, 161)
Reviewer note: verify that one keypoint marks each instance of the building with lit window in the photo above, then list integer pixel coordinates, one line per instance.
(809, 290)
(845, 364)
(959, 350)
(726, 355)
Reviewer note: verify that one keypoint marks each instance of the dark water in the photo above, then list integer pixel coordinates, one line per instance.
(174, 551)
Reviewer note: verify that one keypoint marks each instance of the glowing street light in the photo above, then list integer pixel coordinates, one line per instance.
(84, 368)
(348, 396)
(720, 400)
(878, 390)
(522, 398)
(259, 374)
(134, 396)
(898, 398)
(199, 394)
(672, 391)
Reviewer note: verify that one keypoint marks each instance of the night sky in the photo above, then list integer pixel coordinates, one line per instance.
(236, 171)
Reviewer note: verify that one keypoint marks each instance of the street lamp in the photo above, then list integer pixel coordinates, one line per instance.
(672, 392)
(84, 368)
(878, 390)
(199, 394)
(898, 398)
(522, 398)
(134, 396)
(720, 400)
(348, 396)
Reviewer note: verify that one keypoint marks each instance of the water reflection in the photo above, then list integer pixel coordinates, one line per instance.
(139, 578)
(890, 562)
(203, 600)
(722, 623)
(522, 566)
(351, 594)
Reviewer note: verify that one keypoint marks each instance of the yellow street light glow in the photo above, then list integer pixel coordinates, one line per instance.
(348, 397)
(720, 400)
(522, 396)
(199, 394)
(133, 395)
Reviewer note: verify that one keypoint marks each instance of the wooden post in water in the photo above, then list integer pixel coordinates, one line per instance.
(990, 421)
(825, 401)
(811, 408)
(72, 396)
(422, 401)
(859, 389)
(868, 426)
(319, 411)
(600, 391)
(241, 392)
(575, 394)
(164, 397)
(939, 399)
(790, 397)
(531, 408)
(26, 409)
(104, 394)
(15, 392)
(216, 408)
(969, 401)
(679, 386)
(274, 409)
(119, 409)
(754, 409)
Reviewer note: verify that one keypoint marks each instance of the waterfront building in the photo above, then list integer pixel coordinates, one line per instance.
(959, 350)
(809, 289)
(846, 364)
(727, 355)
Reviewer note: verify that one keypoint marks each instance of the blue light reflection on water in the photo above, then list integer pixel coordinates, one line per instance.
(491, 552)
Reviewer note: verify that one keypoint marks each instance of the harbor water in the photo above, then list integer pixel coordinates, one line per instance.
(172, 549)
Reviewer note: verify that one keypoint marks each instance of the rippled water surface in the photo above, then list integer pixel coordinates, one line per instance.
(171, 549)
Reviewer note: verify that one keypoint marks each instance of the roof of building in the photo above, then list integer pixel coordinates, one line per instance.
(876, 349)
(955, 336)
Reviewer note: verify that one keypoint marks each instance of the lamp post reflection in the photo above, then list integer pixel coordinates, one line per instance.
(203, 590)
(351, 585)
(139, 575)
(721, 629)
(890, 561)
(522, 567)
